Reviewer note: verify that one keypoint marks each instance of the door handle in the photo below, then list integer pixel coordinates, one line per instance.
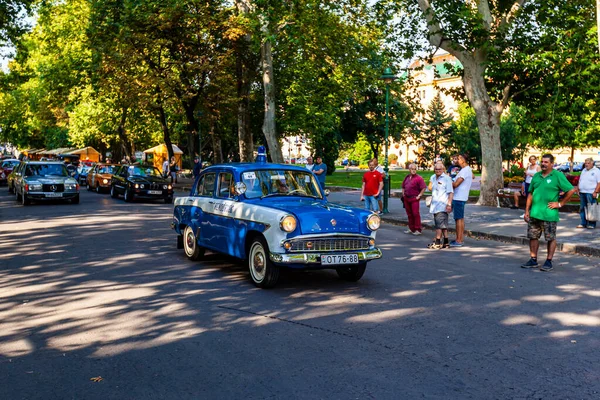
(211, 202)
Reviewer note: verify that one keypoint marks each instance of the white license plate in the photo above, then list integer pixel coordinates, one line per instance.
(154, 192)
(336, 259)
(53, 194)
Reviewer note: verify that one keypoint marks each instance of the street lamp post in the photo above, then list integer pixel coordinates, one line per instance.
(388, 77)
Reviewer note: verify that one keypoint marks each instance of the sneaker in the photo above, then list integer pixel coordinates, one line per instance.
(547, 266)
(522, 216)
(580, 226)
(408, 231)
(454, 243)
(530, 264)
(591, 227)
(417, 233)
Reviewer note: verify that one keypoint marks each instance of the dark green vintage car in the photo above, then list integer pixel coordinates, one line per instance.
(44, 180)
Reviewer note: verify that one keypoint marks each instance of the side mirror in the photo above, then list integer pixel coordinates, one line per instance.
(327, 192)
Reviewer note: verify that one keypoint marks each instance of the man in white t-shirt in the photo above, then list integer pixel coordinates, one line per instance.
(589, 187)
(462, 186)
(309, 163)
(165, 167)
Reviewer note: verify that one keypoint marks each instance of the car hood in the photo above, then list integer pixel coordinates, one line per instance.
(51, 180)
(316, 216)
(147, 179)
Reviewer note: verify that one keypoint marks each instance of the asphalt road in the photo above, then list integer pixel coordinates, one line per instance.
(99, 290)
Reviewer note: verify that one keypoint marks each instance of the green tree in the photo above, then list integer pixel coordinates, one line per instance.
(435, 131)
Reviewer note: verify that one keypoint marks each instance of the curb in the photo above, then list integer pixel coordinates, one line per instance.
(569, 248)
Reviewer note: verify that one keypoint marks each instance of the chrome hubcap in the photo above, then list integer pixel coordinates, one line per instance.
(258, 262)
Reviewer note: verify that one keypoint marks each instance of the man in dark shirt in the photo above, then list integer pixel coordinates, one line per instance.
(197, 167)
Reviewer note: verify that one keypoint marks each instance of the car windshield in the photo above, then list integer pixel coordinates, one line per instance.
(46, 169)
(9, 164)
(143, 171)
(83, 169)
(106, 169)
(280, 182)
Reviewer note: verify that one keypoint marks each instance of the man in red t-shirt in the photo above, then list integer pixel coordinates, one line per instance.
(371, 187)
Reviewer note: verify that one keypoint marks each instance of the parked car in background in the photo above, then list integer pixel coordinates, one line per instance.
(564, 167)
(578, 167)
(6, 168)
(44, 180)
(100, 176)
(273, 216)
(140, 182)
(82, 173)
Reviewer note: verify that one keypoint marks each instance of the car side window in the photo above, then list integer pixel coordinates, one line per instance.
(206, 185)
(225, 185)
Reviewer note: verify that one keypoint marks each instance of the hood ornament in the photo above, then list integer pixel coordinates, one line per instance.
(333, 222)
(53, 188)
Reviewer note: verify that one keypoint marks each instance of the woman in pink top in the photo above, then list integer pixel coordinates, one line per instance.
(413, 188)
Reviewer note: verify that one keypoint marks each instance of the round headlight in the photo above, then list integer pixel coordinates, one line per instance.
(136, 186)
(142, 186)
(105, 181)
(373, 222)
(165, 187)
(288, 223)
(170, 187)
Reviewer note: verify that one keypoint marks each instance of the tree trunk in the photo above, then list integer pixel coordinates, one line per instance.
(269, 85)
(125, 143)
(243, 73)
(216, 143)
(488, 121)
(165, 128)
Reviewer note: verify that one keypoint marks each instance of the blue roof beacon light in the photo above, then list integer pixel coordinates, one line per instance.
(262, 155)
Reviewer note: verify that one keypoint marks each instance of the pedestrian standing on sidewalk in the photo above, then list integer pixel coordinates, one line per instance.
(320, 169)
(442, 192)
(413, 188)
(165, 168)
(309, 163)
(588, 187)
(462, 186)
(541, 211)
(371, 185)
(197, 167)
(173, 168)
(379, 169)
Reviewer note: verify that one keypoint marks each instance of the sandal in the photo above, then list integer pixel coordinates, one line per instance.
(434, 245)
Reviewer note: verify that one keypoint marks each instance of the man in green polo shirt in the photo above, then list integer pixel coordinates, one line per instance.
(541, 211)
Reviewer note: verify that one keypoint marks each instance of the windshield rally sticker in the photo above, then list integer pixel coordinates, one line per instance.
(249, 175)
(226, 208)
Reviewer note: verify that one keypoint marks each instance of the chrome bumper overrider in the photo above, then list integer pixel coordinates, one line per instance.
(315, 258)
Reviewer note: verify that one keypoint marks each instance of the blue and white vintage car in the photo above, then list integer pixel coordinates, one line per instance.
(274, 216)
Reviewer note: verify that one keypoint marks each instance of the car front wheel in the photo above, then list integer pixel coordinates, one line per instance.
(190, 245)
(75, 200)
(352, 273)
(128, 196)
(97, 188)
(113, 192)
(24, 199)
(263, 272)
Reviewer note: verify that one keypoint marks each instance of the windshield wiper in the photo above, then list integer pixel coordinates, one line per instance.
(272, 194)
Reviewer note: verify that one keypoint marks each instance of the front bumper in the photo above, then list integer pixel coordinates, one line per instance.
(314, 259)
(144, 194)
(51, 195)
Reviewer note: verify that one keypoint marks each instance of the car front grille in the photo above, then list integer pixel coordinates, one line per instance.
(155, 186)
(330, 244)
(59, 187)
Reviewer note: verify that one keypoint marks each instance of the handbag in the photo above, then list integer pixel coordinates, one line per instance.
(428, 201)
(592, 212)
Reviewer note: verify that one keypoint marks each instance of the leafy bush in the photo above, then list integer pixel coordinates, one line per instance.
(515, 171)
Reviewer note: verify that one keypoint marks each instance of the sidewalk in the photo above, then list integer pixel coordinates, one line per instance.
(484, 223)
(492, 223)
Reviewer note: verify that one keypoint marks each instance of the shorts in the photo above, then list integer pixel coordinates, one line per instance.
(458, 207)
(536, 226)
(441, 220)
(526, 192)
